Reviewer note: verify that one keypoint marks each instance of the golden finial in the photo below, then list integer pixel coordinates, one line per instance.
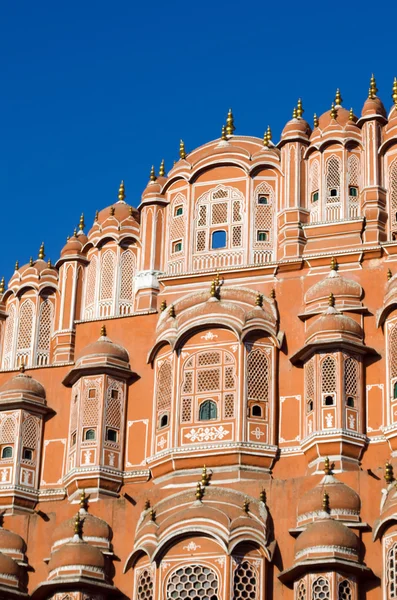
(41, 251)
(49, 265)
(389, 477)
(272, 293)
(394, 94)
(152, 176)
(75, 232)
(163, 306)
(17, 265)
(262, 496)
(182, 151)
(333, 112)
(81, 222)
(67, 238)
(299, 109)
(103, 331)
(147, 505)
(331, 300)
(112, 211)
(83, 500)
(315, 120)
(31, 262)
(327, 466)
(326, 502)
(213, 289)
(152, 515)
(334, 264)
(351, 115)
(338, 98)
(294, 113)
(199, 491)
(372, 87)
(96, 215)
(246, 505)
(230, 128)
(204, 477)
(171, 311)
(130, 211)
(78, 525)
(121, 195)
(389, 274)
(162, 169)
(2, 285)
(259, 300)
(22, 368)
(265, 139)
(223, 135)
(217, 279)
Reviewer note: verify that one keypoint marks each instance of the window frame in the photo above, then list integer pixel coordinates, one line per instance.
(212, 239)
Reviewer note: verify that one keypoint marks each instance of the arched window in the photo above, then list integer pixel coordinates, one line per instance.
(345, 590)
(6, 452)
(314, 179)
(333, 177)
(353, 166)
(350, 401)
(208, 410)
(258, 375)
(329, 401)
(89, 434)
(391, 571)
(90, 288)
(262, 238)
(9, 338)
(163, 388)
(256, 411)
(321, 589)
(395, 390)
(218, 239)
(144, 585)
(245, 582)
(25, 333)
(44, 332)
(127, 273)
(328, 375)
(393, 195)
(164, 420)
(200, 578)
(107, 286)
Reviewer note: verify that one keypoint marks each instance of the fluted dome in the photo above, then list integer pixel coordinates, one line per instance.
(335, 324)
(344, 501)
(74, 245)
(327, 535)
(22, 384)
(77, 553)
(120, 212)
(96, 530)
(336, 285)
(8, 566)
(104, 347)
(10, 542)
(373, 106)
(296, 127)
(342, 117)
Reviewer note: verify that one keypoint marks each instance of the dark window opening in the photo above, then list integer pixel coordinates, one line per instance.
(178, 247)
(208, 411)
(350, 401)
(329, 401)
(164, 420)
(111, 435)
(256, 411)
(263, 236)
(395, 390)
(309, 406)
(315, 196)
(218, 239)
(27, 454)
(74, 439)
(89, 434)
(353, 191)
(6, 452)
(333, 192)
(92, 393)
(178, 211)
(115, 394)
(262, 199)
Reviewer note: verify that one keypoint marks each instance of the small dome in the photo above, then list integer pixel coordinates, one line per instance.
(120, 211)
(22, 384)
(335, 324)
(336, 285)
(11, 542)
(104, 347)
(341, 119)
(296, 127)
(93, 527)
(327, 533)
(373, 106)
(344, 501)
(74, 245)
(77, 553)
(8, 566)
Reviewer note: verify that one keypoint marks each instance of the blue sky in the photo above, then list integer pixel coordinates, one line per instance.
(95, 92)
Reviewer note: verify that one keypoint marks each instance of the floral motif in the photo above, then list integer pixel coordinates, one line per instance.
(207, 434)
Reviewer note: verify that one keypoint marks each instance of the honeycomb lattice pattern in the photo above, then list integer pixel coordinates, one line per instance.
(392, 336)
(328, 375)
(221, 193)
(195, 582)
(314, 176)
(127, 267)
(333, 171)
(208, 380)
(201, 241)
(30, 432)
(229, 406)
(392, 571)
(321, 590)
(177, 224)
(263, 215)
(164, 386)
(245, 582)
(188, 383)
(209, 358)
(301, 591)
(9, 337)
(309, 379)
(25, 325)
(393, 192)
(345, 590)
(236, 236)
(202, 219)
(258, 375)
(45, 325)
(219, 213)
(354, 170)
(107, 275)
(351, 376)
(8, 428)
(91, 405)
(229, 378)
(91, 280)
(114, 405)
(237, 211)
(74, 408)
(144, 586)
(186, 410)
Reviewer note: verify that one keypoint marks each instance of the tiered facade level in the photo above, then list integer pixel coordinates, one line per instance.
(244, 318)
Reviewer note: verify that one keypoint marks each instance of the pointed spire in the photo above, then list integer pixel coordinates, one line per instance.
(223, 135)
(121, 194)
(338, 98)
(75, 231)
(294, 113)
(199, 491)
(2, 285)
(171, 311)
(112, 211)
(351, 116)
(262, 496)
(49, 265)
(315, 120)
(265, 140)
(230, 128)
(41, 251)
(334, 264)
(333, 112)
(372, 88)
(204, 477)
(83, 500)
(213, 289)
(182, 151)
(81, 222)
(22, 368)
(394, 94)
(331, 300)
(152, 176)
(162, 169)
(78, 529)
(96, 215)
(272, 294)
(103, 331)
(246, 505)
(16, 265)
(299, 109)
(326, 507)
(259, 300)
(327, 466)
(31, 261)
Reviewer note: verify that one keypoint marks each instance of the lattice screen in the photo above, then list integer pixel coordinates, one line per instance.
(345, 590)
(25, 329)
(208, 358)
(301, 595)
(91, 406)
(74, 408)
(164, 386)
(258, 375)
(314, 177)
(127, 272)
(351, 373)
(114, 404)
(245, 582)
(186, 416)
(392, 338)
(309, 379)
(45, 331)
(91, 282)
(9, 337)
(177, 224)
(333, 172)
(263, 215)
(328, 375)
(393, 192)
(107, 275)
(8, 429)
(353, 165)
(31, 432)
(144, 585)
(392, 571)
(321, 589)
(228, 412)
(193, 581)
(208, 380)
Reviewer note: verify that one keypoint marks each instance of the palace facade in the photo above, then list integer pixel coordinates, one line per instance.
(198, 400)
